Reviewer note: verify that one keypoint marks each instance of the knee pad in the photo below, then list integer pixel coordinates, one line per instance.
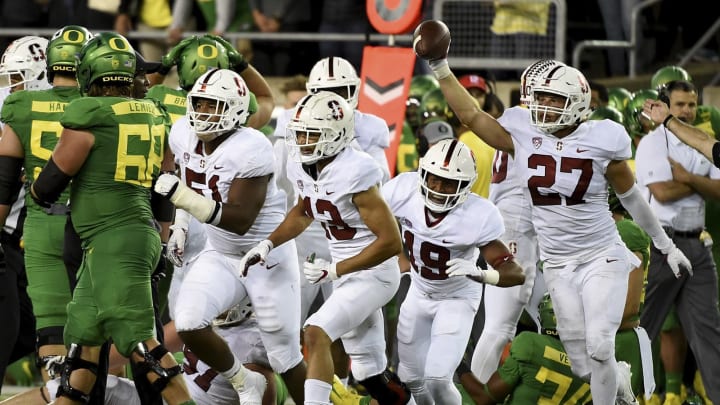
(74, 362)
(579, 357)
(387, 389)
(150, 391)
(600, 348)
(443, 390)
(368, 363)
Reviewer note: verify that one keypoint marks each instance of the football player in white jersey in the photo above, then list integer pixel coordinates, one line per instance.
(226, 170)
(566, 164)
(444, 227)
(339, 187)
(503, 306)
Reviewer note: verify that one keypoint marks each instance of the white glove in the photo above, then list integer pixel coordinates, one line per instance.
(676, 258)
(176, 244)
(258, 254)
(204, 209)
(319, 271)
(462, 267)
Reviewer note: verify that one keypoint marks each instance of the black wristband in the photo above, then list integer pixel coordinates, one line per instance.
(667, 119)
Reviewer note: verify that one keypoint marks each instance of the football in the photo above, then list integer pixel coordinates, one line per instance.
(431, 40)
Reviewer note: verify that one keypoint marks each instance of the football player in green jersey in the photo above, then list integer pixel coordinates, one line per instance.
(112, 146)
(536, 371)
(194, 56)
(32, 128)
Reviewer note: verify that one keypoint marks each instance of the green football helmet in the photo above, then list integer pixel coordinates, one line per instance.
(548, 322)
(419, 86)
(635, 107)
(197, 57)
(607, 112)
(64, 45)
(618, 97)
(667, 74)
(107, 56)
(433, 106)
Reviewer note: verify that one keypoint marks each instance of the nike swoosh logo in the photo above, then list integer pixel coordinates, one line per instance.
(270, 267)
(446, 241)
(578, 150)
(217, 167)
(611, 260)
(329, 192)
(325, 273)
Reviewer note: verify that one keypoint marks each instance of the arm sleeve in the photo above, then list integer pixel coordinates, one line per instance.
(641, 212)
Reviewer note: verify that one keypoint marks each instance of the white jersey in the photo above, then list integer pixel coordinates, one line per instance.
(652, 166)
(245, 154)
(431, 243)
(371, 136)
(566, 184)
(329, 199)
(505, 182)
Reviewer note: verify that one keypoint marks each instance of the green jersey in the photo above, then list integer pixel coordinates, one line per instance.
(637, 241)
(174, 100)
(130, 140)
(407, 153)
(35, 118)
(539, 369)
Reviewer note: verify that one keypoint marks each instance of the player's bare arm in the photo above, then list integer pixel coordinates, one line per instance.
(263, 94)
(494, 392)
(10, 143)
(377, 216)
(295, 222)
(500, 258)
(245, 200)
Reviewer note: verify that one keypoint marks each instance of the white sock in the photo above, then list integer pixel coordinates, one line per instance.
(317, 392)
(236, 373)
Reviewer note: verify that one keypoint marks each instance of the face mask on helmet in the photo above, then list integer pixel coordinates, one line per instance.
(218, 103)
(62, 49)
(24, 63)
(235, 315)
(447, 173)
(322, 125)
(548, 322)
(199, 57)
(565, 82)
(336, 75)
(530, 76)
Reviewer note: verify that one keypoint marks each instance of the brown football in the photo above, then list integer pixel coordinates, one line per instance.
(431, 40)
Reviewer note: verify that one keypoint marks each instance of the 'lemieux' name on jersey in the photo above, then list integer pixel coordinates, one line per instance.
(245, 154)
(464, 229)
(565, 179)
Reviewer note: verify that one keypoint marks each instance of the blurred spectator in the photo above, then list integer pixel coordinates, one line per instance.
(616, 15)
(433, 132)
(145, 16)
(220, 17)
(294, 89)
(349, 17)
(599, 96)
(516, 28)
(282, 58)
(20, 14)
(100, 14)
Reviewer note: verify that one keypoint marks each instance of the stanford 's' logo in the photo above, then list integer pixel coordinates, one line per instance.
(337, 111)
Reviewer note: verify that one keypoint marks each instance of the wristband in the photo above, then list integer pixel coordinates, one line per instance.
(491, 276)
(440, 68)
(667, 119)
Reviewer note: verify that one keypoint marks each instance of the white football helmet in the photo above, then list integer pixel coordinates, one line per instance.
(530, 76)
(235, 315)
(567, 82)
(26, 58)
(451, 160)
(333, 74)
(233, 103)
(327, 122)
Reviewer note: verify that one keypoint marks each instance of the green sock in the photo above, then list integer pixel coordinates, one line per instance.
(280, 390)
(673, 380)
